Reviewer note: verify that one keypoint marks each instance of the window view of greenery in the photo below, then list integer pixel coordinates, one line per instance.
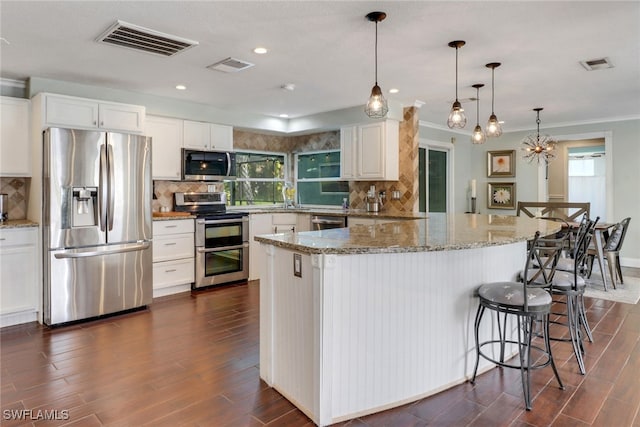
(260, 178)
(319, 179)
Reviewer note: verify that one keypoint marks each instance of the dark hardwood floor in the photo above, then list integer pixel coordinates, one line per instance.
(193, 360)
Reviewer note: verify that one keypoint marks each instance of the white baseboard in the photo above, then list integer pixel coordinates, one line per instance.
(630, 262)
(170, 290)
(18, 317)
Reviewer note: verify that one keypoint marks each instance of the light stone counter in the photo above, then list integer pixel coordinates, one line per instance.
(18, 223)
(362, 319)
(437, 233)
(361, 213)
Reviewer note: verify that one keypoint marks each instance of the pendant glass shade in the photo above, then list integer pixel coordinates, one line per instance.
(538, 147)
(456, 119)
(478, 136)
(494, 129)
(377, 106)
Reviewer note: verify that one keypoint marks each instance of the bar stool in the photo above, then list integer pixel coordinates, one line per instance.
(569, 283)
(529, 303)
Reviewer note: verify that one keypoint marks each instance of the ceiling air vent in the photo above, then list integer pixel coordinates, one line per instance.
(139, 38)
(596, 64)
(230, 65)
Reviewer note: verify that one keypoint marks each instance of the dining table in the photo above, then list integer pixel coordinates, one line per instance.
(600, 236)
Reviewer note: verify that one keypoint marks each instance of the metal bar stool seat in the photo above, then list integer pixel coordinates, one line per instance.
(529, 304)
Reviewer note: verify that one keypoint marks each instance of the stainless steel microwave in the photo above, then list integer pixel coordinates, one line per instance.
(200, 165)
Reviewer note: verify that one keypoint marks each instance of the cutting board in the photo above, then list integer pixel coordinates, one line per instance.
(170, 214)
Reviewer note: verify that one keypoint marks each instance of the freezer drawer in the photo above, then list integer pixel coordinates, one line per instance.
(90, 282)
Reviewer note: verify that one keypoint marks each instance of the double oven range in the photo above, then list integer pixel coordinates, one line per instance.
(221, 239)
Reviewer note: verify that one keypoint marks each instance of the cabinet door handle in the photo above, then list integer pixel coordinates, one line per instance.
(170, 244)
(170, 226)
(2, 238)
(95, 123)
(170, 271)
(101, 123)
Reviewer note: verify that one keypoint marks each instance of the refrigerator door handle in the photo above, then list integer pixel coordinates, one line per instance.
(228, 164)
(130, 248)
(112, 186)
(104, 169)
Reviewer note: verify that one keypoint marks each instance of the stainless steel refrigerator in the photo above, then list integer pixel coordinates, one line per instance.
(96, 224)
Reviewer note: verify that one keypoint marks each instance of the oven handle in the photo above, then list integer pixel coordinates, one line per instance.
(222, 221)
(202, 250)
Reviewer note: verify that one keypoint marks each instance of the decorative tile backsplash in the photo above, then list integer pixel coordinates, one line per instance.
(17, 190)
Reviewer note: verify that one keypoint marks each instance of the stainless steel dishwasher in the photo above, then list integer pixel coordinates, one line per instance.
(323, 222)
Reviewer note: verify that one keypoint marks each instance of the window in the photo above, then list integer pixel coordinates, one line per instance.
(318, 178)
(260, 178)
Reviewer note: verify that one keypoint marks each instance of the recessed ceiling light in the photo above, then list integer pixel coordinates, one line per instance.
(284, 116)
(181, 87)
(394, 90)
(260, 50)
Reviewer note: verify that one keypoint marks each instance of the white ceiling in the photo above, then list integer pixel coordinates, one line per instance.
(326, 49)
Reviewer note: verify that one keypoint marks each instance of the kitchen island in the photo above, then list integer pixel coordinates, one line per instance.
(362, 319)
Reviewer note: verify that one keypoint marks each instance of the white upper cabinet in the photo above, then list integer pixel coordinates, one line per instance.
(208, 136)
(82, 113)
(166, 142)
(370, 151)
(15, 159)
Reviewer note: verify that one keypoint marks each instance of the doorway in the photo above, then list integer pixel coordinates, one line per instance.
(581, 172)
(435, 170)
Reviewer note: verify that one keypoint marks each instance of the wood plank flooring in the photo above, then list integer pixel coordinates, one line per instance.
(192, 360)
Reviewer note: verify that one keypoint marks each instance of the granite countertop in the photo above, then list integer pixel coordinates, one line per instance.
(168, 216)
(439, 232)
(18, 223)
(384, 213)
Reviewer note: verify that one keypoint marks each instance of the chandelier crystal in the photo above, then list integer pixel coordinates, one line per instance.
(538, 147)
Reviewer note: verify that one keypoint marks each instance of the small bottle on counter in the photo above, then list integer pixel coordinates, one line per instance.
(345, 203)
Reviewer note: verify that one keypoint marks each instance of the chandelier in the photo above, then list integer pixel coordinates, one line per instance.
(538, 147)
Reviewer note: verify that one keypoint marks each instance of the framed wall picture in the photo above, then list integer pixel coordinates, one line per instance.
(502, 195)
(501, 163)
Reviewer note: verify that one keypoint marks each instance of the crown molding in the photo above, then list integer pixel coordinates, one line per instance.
(20, 84)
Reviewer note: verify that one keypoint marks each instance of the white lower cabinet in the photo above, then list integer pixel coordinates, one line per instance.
(259, 223)
(19, 274)
(173, 256)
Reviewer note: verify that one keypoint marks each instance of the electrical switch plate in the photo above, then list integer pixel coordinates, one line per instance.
(297, 265)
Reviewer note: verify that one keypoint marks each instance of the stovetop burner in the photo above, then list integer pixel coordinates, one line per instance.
(208, 206)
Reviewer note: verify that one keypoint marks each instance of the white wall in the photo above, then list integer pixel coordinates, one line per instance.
(471, 163)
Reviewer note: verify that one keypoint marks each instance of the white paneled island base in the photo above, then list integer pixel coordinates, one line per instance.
(361, 332)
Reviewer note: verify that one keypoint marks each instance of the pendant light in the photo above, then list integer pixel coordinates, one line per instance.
(457, 119)
(493, 128)
(478, 136)
(540, 148)
(377, 106)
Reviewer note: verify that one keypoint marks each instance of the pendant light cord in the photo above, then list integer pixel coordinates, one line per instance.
(478, 105)
(538, 123)
(492, 91)
(456, 72)
(376, 53)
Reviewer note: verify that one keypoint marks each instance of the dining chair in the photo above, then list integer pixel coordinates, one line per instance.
(527, 303)
(611, 251)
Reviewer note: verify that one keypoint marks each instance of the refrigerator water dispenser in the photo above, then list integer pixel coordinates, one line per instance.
(84, 212)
